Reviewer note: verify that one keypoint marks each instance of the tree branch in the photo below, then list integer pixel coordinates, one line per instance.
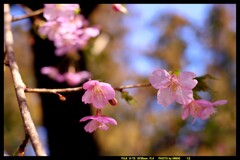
(19, 85)
(76, 89)
(54, 91)
(132, 86)
(31, 14)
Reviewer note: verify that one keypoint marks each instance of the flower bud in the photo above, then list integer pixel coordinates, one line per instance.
(62, 98)
(113, 102)
(120, 8)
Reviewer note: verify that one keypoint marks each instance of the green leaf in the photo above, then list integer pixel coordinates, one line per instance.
(202, 85)
(177, 72)
(129, 99)
(195, 95)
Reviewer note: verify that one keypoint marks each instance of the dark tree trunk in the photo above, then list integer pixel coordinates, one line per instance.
(66, 135)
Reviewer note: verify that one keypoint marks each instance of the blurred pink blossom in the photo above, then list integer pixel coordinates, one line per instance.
(98, 121)
(60, 12)
(98, 93)
(52, 73)
(172, 87)
(71, 78)
(200, 108)
(74, 78)
(50, 29)
(70, 35)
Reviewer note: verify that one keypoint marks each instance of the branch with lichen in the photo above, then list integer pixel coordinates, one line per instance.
(19, 86)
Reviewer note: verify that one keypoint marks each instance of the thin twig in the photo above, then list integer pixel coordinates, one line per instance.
(21, 149)
(132, 86)
(76, 89)
(34, 13)
(54, 91)
(23, 145)
(19, 86)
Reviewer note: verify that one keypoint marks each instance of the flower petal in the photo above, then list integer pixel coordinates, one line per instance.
(99, 101)
(159, 78)
(220, 102)
(207, 112)
(195, 109)
(109, 92)
(87, 118)
(185, 112)
(99, 121)
(109, 120)
(207, 108)
(91, 126)
(87, 97)
(84, 74)
(204, 103)
(103, 127)
(92, 31)
(52, 73)
(74, 78)
(90, 84)
(184, 96)
(186, 80)
(165, 96)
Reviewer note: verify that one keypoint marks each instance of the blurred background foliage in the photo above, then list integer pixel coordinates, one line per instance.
(144, 127)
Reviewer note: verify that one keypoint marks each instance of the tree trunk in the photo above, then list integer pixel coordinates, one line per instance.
(66, 135)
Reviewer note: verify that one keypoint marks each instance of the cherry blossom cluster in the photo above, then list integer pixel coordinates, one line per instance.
(171, 87)
(179, 87)
(68, 30)
(99, 94)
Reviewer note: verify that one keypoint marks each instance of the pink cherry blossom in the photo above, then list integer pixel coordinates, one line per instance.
(71, 78)
(50, 29)
(172, 87)
(200, 108)
(54, 30)
(70, 35)
(60, 12)
(74, 78)
(97, 93)
(66, 43)
(119, 8)
(52, 73)
(71, 42)
(98, 121)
